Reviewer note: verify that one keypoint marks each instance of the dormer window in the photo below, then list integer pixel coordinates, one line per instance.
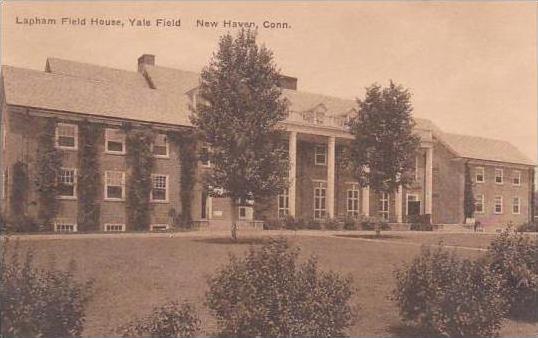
(114, 141)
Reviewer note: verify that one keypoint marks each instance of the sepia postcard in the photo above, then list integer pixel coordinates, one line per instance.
(269, 168)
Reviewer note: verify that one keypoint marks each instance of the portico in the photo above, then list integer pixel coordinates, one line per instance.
(317, 182)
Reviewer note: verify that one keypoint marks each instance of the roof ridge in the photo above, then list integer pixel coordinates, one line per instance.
(478, 137)
(91, 65)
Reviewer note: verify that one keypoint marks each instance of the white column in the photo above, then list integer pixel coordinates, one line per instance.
(366, 201)
(428, 185)
(209, 207)
(292, 172)
(331, 167)
(398, 208)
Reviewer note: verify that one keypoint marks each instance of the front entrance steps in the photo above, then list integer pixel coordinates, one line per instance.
(225, 225)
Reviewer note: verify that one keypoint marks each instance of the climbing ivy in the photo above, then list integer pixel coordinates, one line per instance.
(140, 162)
(49, 162)
(89, 183)
(468, 195)
(18, 199)
(186, 143)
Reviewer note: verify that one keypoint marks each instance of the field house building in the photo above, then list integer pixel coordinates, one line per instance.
(71, 92)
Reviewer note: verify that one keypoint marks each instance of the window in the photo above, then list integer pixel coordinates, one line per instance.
(67, 183)
(115, 141)
(160, 146)
(283, 204)
(516, 177)
(115, 185)
(66, 136)
(498, 205)
(411, 205)
(353, 201)
(499, 176)
(159, 190)
(114, 227)
(479, 204)
(516, 208)
(159, 227)
(480, 177)
(320, 117)
(60, 226)
(245, 212)
(320, 155)
(384, 206)
(204, 156)
(320, 194)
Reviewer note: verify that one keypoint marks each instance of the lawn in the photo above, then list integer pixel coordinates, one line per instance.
(133, 275)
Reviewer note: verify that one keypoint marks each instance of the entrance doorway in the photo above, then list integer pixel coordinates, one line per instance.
(413, 207)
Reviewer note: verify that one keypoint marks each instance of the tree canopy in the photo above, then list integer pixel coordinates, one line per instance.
(382, 153)
(237, 112)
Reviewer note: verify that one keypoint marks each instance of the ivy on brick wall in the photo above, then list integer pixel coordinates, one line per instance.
(186, 143)
(140, 162)
(49, 162)
(468, 195)
(18, 199)
(89, 183)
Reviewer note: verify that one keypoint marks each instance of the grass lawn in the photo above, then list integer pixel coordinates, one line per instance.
(135, 274)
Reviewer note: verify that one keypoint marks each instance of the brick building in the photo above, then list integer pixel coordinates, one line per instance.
(70, 92)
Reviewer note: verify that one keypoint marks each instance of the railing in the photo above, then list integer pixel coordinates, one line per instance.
(317, 119)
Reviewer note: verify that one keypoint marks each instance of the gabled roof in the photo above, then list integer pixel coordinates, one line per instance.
(484, 148)
(160, 96)
(172, 80)
(303, 101)
(96, 73)
(30, 88)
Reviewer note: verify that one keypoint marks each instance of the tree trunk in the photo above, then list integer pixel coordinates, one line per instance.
(233, 214)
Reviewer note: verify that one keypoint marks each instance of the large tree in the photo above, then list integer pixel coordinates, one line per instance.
(382, 153)
(237, 113)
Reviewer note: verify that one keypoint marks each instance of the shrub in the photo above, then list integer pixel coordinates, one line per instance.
(331, 224)
(514, 257)
(445, 295)
(267, 293)
(169, 320)
(35, 302)
(273, 224)
(421, 227)
(313, 224)
(350, 223)
(528, 227)
(370, 223)
(22, 223)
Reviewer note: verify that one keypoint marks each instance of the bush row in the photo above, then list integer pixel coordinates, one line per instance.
(440, 293)
(348, 223)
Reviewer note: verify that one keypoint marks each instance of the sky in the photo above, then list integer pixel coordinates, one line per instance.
(471, 66)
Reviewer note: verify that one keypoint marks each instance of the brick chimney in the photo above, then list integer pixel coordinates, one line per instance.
(144, 60)
(287, 82)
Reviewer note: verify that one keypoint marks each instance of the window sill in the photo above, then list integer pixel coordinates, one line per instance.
(159, 201)
(66, 148)
(114, 199)
(67, 198)
(114, 153)
(166, 157)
